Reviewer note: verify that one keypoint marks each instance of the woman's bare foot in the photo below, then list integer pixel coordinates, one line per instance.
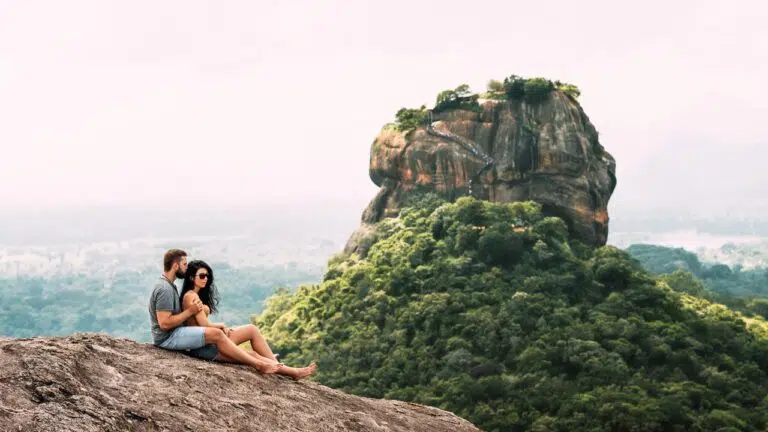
(271, 368)
(299, 373)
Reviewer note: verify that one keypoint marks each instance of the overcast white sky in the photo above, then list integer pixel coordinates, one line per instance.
(106, 102)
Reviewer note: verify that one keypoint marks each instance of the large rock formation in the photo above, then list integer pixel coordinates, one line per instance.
(508, 150)
(91, 382)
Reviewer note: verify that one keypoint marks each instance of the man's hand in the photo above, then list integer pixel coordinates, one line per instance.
(196, 307)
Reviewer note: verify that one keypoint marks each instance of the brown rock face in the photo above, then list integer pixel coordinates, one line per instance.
(98, 383)
(546, 151)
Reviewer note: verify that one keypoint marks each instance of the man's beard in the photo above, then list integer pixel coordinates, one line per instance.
(179, 274)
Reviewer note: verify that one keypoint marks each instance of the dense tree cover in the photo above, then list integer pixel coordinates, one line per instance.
(662, 259)
(54, 306)
(492, 312)
(718, 278)
(530, 89)
(743, 290)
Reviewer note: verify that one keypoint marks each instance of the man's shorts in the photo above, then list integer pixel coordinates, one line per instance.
(192, 341)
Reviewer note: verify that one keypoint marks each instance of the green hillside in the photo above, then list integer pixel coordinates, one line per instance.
(742, 290)
(491, 311)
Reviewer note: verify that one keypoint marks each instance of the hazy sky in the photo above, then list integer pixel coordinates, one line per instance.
(199, 102)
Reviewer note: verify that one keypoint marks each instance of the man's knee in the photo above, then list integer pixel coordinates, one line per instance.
(213, 335)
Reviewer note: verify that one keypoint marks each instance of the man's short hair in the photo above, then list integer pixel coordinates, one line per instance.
(171, 257)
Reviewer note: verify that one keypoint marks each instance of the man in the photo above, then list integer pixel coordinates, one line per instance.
(167, 318)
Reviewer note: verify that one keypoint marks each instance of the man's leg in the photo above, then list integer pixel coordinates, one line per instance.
(251, 333)
(232, 352)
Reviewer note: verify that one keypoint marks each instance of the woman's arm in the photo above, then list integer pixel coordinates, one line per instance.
(201, 318)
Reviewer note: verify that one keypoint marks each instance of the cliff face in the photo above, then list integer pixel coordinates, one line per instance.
(546, 151)
(99, 383)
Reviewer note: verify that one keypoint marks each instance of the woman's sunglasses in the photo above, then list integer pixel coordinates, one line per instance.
(203, 276)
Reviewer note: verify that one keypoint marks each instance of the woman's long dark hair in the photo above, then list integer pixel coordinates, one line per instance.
(208, 295)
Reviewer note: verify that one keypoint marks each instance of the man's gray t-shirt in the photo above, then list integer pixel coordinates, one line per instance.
(164, 297)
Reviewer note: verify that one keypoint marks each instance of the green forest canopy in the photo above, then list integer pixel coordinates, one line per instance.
(492, 312)
(743, 290)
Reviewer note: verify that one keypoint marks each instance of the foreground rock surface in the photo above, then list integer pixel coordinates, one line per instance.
(90, 382)
(507, 151)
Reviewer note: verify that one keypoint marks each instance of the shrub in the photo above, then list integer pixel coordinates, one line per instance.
(409, 118)
(514, 86)
(495, 85)
(568, 89)
(537, 89)
(460, 97)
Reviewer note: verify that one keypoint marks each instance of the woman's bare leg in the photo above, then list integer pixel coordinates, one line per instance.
(230, 352)
(257, 356)
(227, 347)
(261, 350)
(295, 373)
(251, 333)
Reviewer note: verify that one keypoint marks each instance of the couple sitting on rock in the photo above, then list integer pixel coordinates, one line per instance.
(180, 322)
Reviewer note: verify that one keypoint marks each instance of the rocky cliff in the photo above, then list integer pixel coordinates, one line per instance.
(91, 382)
(504, 150)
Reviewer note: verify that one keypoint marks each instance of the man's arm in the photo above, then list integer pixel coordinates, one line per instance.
(164, 308)
(167, 321)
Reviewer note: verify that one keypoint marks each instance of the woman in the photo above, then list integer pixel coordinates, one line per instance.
(199, 284)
